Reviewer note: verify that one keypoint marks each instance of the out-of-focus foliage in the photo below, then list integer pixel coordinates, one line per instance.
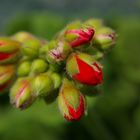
(113, 115)
(43, 25)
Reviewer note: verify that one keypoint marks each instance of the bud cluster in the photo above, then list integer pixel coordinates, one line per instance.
(63, 68)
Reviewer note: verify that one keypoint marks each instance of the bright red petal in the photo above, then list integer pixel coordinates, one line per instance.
(76, 114)
(4, 56)
(87, 74)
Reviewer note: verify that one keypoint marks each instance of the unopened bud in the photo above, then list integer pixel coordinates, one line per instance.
(95, 23)
(58, 51)
(30, 48)
(42, 85)
(22, 36)
(9, 50)
(24, 68)
(104, 38)
(78, 37)
(71, 102)
(56, 80)
(84, 69)
(38, 66)
(43, 51)
(21, 95)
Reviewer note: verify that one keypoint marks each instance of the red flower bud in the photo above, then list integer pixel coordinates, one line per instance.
(7, 57)
(83, 68)
(71, 102)
(77, 37)
(8, 50)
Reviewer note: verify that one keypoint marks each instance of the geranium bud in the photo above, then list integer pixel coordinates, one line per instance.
(58, 51)
(21, 95)
(38, 66)
(84, 69)
(42, 85)
(9, 50)
(74, 25)
(24, 68)
(56, 80)
(43, 51)
(30, 48)
(6, 74)
(22, 36)
(104, 38)
(95, 23)
(77, 37)
(70, 101)
(8, 45)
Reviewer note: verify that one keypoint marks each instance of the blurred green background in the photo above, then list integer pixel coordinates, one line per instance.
(115, 114)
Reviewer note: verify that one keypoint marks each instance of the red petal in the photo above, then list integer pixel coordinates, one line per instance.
(87, 74)
(76, 114)
(4, 56)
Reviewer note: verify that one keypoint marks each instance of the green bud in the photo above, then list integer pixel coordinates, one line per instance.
(24, 68)
(56, 80)
(74, 25)
(95, 23)
(21, 95)
(43, 51)
(22, 36)
(30, 48)
(38, 66)
(104, 39)
(42, 85)
(58, 51)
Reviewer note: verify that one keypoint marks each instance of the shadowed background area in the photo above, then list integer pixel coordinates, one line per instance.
(113, 115)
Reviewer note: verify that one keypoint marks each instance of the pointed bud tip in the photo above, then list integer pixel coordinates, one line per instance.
(71, 102)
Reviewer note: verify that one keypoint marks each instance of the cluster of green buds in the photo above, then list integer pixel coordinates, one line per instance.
(61, 69)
